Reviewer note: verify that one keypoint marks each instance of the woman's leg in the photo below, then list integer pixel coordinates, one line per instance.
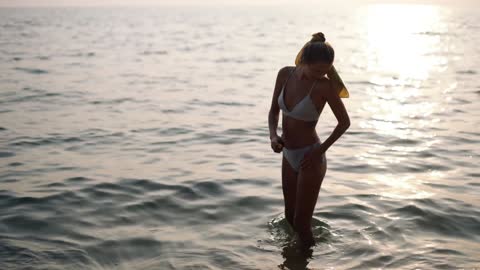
(289, 186)
(309, 183)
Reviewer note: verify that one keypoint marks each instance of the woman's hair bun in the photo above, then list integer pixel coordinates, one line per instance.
(318, 37)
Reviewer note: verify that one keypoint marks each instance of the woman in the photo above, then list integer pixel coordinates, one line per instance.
(301, 92)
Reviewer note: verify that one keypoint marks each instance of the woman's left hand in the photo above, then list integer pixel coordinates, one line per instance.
(310, 156)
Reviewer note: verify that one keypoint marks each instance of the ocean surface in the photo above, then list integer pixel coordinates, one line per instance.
(137, 138)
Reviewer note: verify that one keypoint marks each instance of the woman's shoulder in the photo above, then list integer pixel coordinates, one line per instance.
(323, 87)
(285, 71)
(287, 68)
(323, 82)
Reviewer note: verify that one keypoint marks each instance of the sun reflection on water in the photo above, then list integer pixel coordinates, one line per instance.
(402, 48)
(395, 187)
(400, 39)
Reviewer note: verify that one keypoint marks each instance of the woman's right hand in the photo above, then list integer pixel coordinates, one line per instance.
(277, 144)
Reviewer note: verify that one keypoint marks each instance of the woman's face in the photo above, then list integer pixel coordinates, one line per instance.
(317, 70)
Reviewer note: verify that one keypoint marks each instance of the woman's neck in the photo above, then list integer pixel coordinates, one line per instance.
(300, 74)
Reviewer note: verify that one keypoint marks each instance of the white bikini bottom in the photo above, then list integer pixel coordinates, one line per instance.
(295, 156)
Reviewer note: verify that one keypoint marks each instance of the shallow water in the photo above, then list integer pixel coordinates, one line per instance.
(137, 138)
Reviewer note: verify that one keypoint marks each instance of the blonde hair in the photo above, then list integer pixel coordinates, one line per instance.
(322, 51)
(316, 50)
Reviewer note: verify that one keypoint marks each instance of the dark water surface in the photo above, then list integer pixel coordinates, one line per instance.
(137, 138)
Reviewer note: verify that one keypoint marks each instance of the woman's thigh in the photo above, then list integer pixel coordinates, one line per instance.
(309, 182)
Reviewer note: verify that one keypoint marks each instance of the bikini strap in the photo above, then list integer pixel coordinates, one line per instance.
(289, 75)
(291, 72)
(313, 85)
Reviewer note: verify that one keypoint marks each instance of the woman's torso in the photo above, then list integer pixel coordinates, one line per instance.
(302, 102)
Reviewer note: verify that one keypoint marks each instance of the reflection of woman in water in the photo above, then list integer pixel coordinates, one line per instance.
(301, 92)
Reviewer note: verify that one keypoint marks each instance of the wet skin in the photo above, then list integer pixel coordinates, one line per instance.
(300, 189)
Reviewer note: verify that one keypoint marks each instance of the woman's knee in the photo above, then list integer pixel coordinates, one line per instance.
(290, 213)
(289, 216)
(301, 223)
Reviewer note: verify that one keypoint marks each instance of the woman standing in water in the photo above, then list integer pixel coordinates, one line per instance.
(301, 93)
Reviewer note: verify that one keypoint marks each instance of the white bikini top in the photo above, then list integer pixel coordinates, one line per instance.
(304, 110)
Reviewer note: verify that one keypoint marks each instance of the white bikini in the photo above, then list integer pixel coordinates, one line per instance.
(304, 110)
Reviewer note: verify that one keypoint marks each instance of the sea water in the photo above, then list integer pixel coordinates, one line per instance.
(137, 138)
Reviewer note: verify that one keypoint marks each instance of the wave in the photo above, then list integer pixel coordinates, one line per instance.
(35, 71)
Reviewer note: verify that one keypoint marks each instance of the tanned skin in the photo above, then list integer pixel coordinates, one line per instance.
(300, 190)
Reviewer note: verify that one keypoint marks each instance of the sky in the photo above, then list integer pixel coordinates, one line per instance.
(7, 3)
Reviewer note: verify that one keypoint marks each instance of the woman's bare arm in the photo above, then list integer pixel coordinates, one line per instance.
(338, 109)
(273, 114)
